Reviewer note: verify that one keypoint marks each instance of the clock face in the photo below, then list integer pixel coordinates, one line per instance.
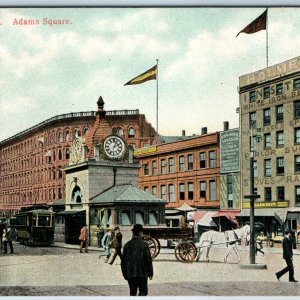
(114, 147)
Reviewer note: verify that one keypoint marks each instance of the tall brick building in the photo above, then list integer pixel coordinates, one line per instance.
(31, 161)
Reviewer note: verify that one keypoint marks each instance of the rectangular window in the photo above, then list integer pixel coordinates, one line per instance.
(279, 113)
(202, 160)
(212, 190)
(255, 168)
(171, 193)
(297, 195)
(297, 135)
(266, 92)
(190, 162)
(296, 84)
(154, 190)
(146, 189)
(190, 191)
(163, 167)
(252, 120)
(280, 193)
(268, 194)
(163, 190)
(181, 163)
(146, 169)
(181, 191)
(267, 166)
(280, 138)
(212, 159)
(279, 89)
(297, 163)
(154, 167)
(253, 143)
(297, 109)
(280, 166)
(267, 140)
(229, 191)
(252, 96)
(267, 116)
(171, 165)
(202, 189)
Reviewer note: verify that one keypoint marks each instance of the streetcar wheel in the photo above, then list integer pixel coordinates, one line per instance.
(185, 252)
(152, 245)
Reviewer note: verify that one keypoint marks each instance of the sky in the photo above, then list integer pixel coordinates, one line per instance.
(47, 70)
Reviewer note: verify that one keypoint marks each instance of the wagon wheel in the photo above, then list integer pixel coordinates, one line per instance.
(158, 247)
(154, 250)
(185, 252)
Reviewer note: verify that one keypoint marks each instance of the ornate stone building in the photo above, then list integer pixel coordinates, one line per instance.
(31, 161)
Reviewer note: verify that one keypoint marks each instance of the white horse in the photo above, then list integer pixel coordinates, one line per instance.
(228, 238)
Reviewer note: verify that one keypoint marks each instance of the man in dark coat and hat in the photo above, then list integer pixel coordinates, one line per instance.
(287, 247)
(136, 263)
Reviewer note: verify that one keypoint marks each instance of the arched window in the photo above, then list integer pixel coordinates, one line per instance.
(120, 132)
(131, 132)
(67, 135)
(85, 131)
(59, 137)
(67, 153)
(59, 154)
(76, 195)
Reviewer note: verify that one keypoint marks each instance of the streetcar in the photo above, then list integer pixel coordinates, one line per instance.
(35, 227)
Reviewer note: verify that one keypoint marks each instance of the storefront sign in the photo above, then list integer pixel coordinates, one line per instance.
(276, 204)
(229, 147)
(145, 150)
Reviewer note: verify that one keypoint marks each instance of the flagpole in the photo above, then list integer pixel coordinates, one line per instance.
(157, 95)
(267, 44)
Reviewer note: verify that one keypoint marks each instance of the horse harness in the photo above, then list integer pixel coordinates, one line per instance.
(237, 239)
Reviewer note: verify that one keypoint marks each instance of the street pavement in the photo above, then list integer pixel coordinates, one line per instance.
(61, 270)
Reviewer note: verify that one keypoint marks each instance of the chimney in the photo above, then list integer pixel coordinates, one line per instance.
(183, 133)
(203, 130)
(226, 125)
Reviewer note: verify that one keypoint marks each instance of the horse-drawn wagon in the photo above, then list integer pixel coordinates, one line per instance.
(186, 250)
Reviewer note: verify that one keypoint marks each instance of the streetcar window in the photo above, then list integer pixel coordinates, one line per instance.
(44, 221)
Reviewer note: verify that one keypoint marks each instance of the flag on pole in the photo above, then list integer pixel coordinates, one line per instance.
(148, 75)
(260, 23)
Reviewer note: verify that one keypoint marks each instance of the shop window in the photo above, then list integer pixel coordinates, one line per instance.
(125, 218)
(267, 116)
(268, 194)
(267, 141)
(171, 193)
(190, 191)
(154, 167)
(252, 96)
(280, 193)
(280, 165)
(171, 164)
(279, 89)
(181, 163)
(202, 160)
(190, 162)
(181, 191)
(212, 190)
(153, 220)
(139, 217)
(279, 113)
